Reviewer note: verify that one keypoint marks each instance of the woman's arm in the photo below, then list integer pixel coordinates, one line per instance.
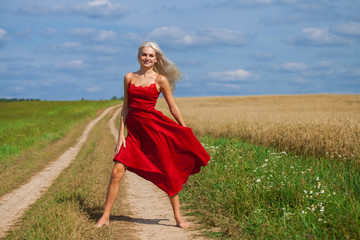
(123, 115)
(166, 91)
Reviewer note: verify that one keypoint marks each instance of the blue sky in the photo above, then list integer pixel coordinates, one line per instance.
(68, 50)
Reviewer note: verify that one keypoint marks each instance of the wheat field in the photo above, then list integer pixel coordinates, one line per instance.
(322, 125)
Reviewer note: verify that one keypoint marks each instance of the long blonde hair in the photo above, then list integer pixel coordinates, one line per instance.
(163, 66)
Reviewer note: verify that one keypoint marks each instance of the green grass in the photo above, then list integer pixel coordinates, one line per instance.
(26, 124)
(254, 192)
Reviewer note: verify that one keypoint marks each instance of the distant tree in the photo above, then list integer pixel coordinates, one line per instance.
(17, 100)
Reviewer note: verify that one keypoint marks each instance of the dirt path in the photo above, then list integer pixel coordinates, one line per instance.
(151, 214)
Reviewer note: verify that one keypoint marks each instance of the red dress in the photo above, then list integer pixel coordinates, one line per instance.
(157, 148)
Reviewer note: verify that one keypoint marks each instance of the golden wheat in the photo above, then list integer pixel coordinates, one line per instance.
(305, 124)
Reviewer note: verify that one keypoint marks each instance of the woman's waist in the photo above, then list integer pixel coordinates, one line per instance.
(150, 108)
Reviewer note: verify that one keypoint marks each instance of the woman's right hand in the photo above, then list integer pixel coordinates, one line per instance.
(120, 142)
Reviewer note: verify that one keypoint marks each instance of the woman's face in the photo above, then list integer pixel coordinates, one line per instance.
(148, 57)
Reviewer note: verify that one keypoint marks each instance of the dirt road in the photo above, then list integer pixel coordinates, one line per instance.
(151, 215)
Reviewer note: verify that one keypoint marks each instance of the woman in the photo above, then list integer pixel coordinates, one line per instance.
(156, 148)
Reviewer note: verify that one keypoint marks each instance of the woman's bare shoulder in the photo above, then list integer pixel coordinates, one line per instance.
(162, 79)
(128, 77)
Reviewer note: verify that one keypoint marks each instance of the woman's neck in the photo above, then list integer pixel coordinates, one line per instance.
(146, 71)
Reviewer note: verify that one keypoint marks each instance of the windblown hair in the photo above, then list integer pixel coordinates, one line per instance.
(163, 66)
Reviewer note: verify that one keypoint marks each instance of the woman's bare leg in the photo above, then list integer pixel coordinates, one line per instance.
(176, 208)
(113, 190)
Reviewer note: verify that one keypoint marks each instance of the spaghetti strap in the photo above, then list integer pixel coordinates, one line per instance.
(157, 78)
(132, 74)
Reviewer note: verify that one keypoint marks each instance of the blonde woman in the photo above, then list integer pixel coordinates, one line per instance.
(156, 147)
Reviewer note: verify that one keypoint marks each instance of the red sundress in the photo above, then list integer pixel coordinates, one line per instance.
(157, 148)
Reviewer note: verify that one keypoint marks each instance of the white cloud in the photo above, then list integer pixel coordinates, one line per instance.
(174, 34)
(94, 89)
(233, 75)
(98, 3)
(106, 35)
(175, 37)
(274, 1)
(77, 47)
(262, 2)
(133, 38)
(93, 34)
(311, 6)
(83, 32)
(97, 9)
(71, 65)
(70, 44)
(48, 32)
(353, 71)
(347, 28)
(103, 49)
(19, 88)
(293, 66)
(4, 37)
(228, 87)
(324, 64)
(100, 9)
(263, 55)
(319, 37)
(34, 9)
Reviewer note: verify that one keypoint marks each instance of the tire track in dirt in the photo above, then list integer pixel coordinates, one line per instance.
(151, 212)
(14, 204)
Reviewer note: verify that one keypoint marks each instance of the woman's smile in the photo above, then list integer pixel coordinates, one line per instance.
(148, 57)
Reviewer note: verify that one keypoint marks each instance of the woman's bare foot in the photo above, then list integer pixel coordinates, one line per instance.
(182, 224)
(102, 221)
